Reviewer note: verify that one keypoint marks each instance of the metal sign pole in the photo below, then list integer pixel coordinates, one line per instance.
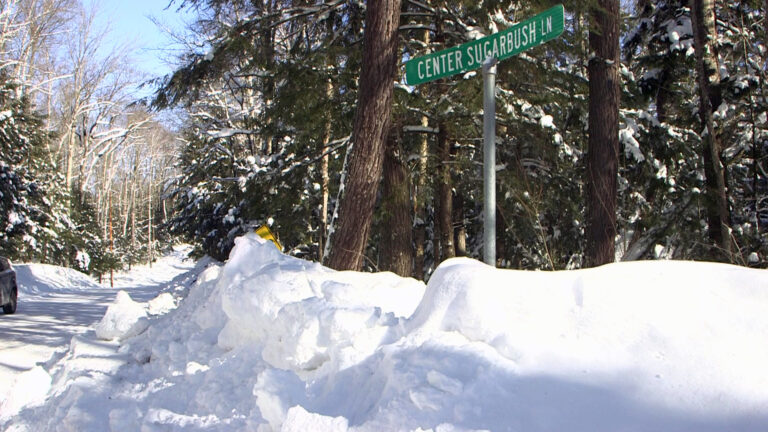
(455, 60)
(489, 161)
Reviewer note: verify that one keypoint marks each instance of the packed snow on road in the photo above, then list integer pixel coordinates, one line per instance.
(268, 342)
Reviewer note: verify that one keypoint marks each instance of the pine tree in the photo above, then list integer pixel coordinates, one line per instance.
(260, 100)
(28, 222)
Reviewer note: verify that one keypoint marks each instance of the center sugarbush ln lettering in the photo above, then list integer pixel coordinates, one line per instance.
(473, 54)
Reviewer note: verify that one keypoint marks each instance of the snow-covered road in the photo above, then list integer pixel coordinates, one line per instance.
(56, 304)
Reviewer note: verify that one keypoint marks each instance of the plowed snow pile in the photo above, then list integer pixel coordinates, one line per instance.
(269, 343)
(43, 278)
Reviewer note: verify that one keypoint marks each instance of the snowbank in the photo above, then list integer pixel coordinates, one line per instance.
(33, 385)
(269, 343)
(124, 318)
(304, 316)
(44, 278)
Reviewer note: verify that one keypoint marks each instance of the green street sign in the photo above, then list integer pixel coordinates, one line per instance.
(502, 45)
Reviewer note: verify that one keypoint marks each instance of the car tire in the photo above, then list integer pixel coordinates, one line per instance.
(11, 307)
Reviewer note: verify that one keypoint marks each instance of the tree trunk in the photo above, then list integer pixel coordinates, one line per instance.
(420, 204)
(324, 178)
(718, 217)
(85, 139)
(70, 162)
(104, 201)
(662, 96)
(133, 206)
(268, 45)
(111, 245)
(396, 237)
(460, 231)
(444, 217)
(133, 228)
(420, 195)
(372, 118)
(125, 206)
(149, 215)
(603, 153)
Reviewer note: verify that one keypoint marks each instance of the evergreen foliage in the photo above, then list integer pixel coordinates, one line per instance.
(67, 177)
(88, 252)
(29, 225)
(258, 106)
(274, 77)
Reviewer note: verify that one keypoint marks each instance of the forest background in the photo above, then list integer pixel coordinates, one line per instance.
(256, 126)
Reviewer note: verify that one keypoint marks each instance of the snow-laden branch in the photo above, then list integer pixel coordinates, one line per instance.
(420, 129)
(108, 142)
(229, 132)
(424, 6)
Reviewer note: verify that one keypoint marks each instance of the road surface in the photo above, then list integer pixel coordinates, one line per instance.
(56, 304)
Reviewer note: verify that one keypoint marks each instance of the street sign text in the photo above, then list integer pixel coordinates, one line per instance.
(471, 55)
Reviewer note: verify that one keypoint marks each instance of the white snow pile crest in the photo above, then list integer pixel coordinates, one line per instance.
(124, 318)
(304, 316)
(273, 343)
(40, 278)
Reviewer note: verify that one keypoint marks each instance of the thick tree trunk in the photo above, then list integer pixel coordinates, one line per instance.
(372, 118)
(444, 217)
(718, 216)
(396, 235)
(603, 152)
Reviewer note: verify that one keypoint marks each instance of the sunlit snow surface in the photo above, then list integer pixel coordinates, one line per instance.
(272, 343)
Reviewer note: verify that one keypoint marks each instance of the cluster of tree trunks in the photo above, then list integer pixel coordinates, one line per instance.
(369, 152)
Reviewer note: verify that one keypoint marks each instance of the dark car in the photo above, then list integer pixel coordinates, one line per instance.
(9, 292)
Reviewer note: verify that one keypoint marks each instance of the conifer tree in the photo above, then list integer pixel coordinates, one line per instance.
(27, 223)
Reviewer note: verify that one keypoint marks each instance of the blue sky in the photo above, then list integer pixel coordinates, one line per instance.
(129, 22)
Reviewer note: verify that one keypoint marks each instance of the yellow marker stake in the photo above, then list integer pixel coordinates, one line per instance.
(265, 233)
